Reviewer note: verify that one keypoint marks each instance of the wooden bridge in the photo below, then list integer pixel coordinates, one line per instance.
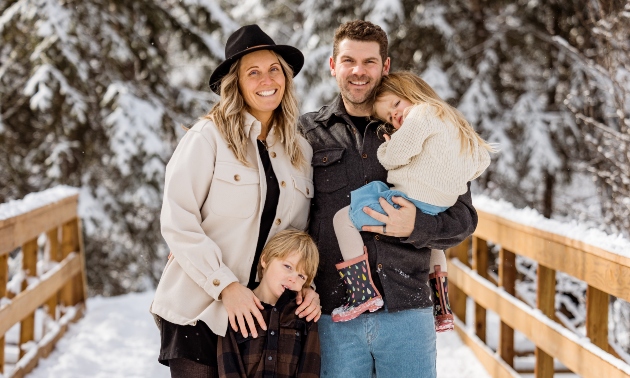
(49, 241)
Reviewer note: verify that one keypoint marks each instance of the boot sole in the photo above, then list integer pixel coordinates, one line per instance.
(352, 313)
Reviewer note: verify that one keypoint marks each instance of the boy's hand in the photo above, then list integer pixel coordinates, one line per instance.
(242, 307)
(308, 301)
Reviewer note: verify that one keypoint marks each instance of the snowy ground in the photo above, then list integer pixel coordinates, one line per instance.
(117, 338)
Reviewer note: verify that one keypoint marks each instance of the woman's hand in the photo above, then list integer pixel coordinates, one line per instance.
(242, 307)
(398, 222)
(308, 300)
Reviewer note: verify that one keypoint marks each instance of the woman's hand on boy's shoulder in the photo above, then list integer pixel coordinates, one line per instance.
(308, 305)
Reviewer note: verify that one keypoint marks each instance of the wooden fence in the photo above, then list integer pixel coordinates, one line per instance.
(604, 272)
(60, 291)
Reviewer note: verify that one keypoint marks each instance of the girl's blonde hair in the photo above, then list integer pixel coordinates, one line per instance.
(228, 116)
(284, 244)
(412, 88)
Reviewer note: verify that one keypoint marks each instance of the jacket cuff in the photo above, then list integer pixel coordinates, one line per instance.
(423, 230)
(218, 281)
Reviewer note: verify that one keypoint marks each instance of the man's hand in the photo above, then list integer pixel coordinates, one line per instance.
(398, 222)
(308, 300)
(242, 307)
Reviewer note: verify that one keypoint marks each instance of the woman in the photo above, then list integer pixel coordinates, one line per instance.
(239, 175)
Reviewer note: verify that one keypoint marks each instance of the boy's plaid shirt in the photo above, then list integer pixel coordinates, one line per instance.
(289, 348)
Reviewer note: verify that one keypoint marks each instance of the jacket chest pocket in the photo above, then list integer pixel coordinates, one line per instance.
(329, 173)
(234, 191)
(302, 193)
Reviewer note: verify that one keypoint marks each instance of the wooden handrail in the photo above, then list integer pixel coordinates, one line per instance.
(61, 291)
(604, 272)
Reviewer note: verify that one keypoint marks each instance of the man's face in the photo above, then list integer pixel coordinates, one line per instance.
(358, 69)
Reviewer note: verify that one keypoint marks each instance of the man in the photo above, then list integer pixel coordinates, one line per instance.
(399, 340)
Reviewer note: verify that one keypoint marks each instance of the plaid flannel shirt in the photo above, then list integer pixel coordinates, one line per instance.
(289, 348)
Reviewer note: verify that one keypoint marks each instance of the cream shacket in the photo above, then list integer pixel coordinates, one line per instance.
(423, 159)
(211, 217)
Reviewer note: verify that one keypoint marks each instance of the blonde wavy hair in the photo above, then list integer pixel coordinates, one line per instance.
(228, 116)
(412, 88)
(287, 242)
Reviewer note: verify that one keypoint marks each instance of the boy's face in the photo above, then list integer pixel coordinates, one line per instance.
(282, 274)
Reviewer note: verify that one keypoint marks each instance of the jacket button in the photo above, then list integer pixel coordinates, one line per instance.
(273, 154)
(379, 267)
(297, 333)
(364, 156)
(308, 191)
(325, 159)
(237, 177)
(216, 282)
(272, 333)
(283, 184)
(278, 221)
(377, 237)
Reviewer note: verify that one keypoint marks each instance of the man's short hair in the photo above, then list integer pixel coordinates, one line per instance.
(364, 31)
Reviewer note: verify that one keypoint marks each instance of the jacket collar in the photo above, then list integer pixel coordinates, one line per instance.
(252, 128)
(284, 299)
(334, 109)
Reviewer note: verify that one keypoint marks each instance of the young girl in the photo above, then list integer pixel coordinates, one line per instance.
(430, 158)
(290, 345)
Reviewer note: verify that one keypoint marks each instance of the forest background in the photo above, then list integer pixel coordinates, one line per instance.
(93, 94)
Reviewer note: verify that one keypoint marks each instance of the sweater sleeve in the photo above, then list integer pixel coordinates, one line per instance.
(483, 159)
(186, 188)
(406, 142)
(310, 359)
(446, 229)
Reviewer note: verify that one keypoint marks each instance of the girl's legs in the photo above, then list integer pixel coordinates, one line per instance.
(185, 368)
(348, 237)
(361, 293)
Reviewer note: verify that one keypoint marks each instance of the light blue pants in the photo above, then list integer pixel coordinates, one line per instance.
(368, 195)
(380, 344)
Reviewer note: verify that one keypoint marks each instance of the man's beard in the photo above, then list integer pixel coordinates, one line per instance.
(360, 102)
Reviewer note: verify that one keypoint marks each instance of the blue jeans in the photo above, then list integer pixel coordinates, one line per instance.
(381, 344)
(368, 195)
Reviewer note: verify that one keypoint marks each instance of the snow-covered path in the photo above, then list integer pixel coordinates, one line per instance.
(117, 338)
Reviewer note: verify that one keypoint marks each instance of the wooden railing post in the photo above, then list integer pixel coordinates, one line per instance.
(480, 264)
(69, 242)
(507, 280)
(546, 294)
(4, 280)
(456, 296)
(597, 316)
(55, 256)
(29, 265)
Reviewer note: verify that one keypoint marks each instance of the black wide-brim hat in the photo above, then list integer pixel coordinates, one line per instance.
(248, 39)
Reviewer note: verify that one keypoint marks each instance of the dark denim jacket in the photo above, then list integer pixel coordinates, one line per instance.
(344, 160)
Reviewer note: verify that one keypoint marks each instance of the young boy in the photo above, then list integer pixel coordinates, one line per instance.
(290, 346)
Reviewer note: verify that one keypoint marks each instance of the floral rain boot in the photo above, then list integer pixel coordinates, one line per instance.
(441, 306)
(361, 294)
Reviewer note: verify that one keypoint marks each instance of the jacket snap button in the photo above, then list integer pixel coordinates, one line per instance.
(379, 266)
(283, 184)
(273, 154)
(377, 237)
(364, 156)
(278, 221)
(308, 191)
(237, 177)
(325, 159)
(297, 333)
(216, 282)
(272, 333)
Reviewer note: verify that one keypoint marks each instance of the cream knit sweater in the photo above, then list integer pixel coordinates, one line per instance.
(423, 159)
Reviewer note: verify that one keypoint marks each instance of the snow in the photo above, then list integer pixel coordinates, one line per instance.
(572, 229)
(118, 338)
(35, 200)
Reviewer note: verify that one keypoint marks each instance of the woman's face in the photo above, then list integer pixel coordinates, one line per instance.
(261, 82)
(391, 108)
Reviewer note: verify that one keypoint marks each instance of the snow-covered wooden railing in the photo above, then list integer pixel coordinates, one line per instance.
(44, 229)
(605, 272)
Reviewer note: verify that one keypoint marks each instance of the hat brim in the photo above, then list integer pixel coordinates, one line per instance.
(290, 54)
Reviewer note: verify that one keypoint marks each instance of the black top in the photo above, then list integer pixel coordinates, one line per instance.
(360, 123)
(268, 213)
(344, 161)
(198, 343)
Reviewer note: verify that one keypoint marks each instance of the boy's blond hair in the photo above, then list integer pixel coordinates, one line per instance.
(287, 242)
